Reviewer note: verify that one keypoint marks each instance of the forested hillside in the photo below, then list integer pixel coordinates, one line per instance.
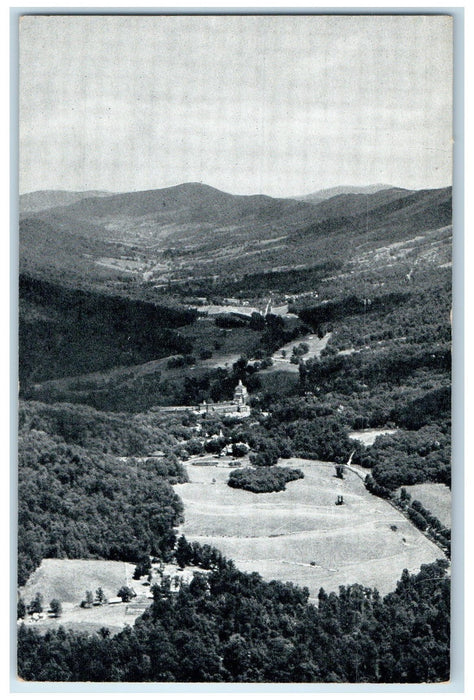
(185, 233)
(77, 499)
(66, 331)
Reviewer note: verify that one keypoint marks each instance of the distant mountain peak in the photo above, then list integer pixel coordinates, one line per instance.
(327, 193)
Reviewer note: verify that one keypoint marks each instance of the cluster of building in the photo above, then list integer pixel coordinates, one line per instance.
(237, 407)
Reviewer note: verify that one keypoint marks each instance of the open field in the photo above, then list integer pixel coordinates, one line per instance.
(215, 309)
(367, 437)
(300, 535)
(69, 579)
(113, 617)
(435, 498)
(316, 345)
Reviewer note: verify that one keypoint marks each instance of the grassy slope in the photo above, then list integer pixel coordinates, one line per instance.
(279, 534)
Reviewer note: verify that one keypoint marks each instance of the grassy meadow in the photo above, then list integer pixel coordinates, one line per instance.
(300, 534)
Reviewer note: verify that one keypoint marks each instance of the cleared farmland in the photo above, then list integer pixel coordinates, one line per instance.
(69, 579)
(282, 357)
(300, 535)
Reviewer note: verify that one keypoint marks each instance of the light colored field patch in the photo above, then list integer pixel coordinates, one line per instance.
(316, 345)
(434, 497)
(69, 579)
(368, 437)
(215, 309)
(299, 534)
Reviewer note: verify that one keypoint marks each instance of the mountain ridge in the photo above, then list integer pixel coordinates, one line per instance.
(328, 192)
(39, 200)
(193, 229)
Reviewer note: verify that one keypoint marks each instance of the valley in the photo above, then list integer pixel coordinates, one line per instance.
(138, 308)
(178, 235)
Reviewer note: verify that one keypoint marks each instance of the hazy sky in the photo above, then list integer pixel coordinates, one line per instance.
(278, 105)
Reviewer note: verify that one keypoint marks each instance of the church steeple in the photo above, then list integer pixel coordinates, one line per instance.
(240, 394)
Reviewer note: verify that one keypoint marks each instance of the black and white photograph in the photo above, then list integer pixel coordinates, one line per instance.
(235, 311)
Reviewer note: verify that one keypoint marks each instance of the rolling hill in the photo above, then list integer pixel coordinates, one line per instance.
(327, 193)
(48, 199)
(192, 231)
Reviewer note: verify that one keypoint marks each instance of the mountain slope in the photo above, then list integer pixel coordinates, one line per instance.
(48, 199)
(321, 195)
(193, 230)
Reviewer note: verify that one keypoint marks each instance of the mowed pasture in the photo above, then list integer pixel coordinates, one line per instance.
(69, 579)
(299, 534)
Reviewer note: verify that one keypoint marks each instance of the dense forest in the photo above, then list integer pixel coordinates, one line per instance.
(65, 331)
(234, 627)
(257, 284)
(114, 433)
(76, 499)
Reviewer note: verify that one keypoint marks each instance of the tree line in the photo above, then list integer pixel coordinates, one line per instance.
(229, 626)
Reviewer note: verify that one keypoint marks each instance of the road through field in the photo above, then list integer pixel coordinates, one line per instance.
(300, 534)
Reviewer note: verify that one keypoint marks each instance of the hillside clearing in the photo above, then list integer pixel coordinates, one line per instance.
(368, 437)
(282, 357)
(69, 579)
(299, 534)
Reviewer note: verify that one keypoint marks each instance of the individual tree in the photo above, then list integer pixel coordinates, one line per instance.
(20, 609)
(266, 454)
(36, 605)
(88, 601)
(198, 586)
(56, 607)
(257, 322)
(100, 596)
(126, 594)
(184, 552)
(404, 495)
(239, 449)
(142, 568)
(194, 446)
